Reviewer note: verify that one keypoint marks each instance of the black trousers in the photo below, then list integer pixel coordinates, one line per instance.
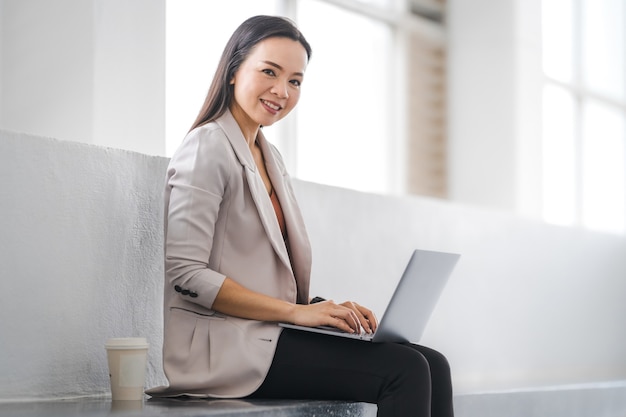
(402, 379)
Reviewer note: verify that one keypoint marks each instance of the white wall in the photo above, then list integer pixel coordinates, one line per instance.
(529, 305)
(88, 71)
(494, 96)
(129, 75)
(47, 67)
(481, 97)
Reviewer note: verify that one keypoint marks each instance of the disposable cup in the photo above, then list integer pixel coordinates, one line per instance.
(127, 357)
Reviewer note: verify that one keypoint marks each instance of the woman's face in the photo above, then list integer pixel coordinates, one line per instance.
(267, 84)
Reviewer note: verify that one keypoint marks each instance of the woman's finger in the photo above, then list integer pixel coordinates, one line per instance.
(350, 318)
(361, 319)
(369, 317)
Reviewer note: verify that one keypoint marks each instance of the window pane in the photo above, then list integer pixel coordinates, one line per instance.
(604, 67)
(380, 3)
(604, 176)
(343, 116)
(559, 156)
(558, 39)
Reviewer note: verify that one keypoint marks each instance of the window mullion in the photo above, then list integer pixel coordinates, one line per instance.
(579, 98)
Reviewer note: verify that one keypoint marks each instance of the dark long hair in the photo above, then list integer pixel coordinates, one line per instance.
(245, 37)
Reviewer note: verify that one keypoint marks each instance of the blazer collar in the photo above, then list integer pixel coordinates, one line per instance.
(233, 132)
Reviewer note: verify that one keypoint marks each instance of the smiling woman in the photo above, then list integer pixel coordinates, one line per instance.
(238, 258)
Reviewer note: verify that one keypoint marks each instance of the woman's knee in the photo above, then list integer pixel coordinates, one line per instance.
(436, 359)
(409, 364)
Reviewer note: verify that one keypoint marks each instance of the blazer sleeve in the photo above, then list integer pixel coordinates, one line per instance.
(197, 178)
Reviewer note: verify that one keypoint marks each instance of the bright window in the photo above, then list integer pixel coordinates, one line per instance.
(559, 162)
(584, 113)
(603, 178)
(344, 116)
(604, 48)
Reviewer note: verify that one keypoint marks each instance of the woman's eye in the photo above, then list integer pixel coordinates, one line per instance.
(268, 72)
(296, 83)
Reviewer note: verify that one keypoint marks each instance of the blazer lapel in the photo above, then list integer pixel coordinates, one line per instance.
(297, 237)
(255, 183)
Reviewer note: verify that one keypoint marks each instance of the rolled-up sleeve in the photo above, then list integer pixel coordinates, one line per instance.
(197, 179)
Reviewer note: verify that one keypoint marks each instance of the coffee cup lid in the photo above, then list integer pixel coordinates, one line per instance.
(127, 343)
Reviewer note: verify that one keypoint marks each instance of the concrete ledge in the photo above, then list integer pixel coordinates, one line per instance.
(95, 407)
(602, 399)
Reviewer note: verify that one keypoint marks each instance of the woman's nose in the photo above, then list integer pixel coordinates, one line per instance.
(280, 88)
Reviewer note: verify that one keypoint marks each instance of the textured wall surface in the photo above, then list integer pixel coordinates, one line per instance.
(529, 305)
(81, 262)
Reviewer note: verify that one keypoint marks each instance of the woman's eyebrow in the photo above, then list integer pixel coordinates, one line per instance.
(275, 65)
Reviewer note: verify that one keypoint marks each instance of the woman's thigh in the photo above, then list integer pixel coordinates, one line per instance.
(314, 366)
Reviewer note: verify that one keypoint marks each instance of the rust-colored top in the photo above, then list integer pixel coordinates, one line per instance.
(279, 213)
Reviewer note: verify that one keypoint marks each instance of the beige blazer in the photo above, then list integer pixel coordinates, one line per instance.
(220, 222)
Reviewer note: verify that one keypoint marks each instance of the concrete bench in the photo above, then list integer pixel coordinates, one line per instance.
(591, 400)
(96, 407)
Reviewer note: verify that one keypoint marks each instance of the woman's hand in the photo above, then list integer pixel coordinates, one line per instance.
(349, 316)
(327, 313)
(367, 319)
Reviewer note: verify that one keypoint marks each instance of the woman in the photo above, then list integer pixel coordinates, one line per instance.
(238, 259)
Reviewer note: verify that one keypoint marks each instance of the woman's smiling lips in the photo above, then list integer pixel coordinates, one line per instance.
(271, 106)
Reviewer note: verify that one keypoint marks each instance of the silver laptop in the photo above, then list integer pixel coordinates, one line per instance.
(412, 303)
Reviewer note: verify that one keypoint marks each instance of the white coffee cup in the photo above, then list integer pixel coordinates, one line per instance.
(127, 357)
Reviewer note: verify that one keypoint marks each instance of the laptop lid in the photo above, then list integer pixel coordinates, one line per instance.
(416, 296)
